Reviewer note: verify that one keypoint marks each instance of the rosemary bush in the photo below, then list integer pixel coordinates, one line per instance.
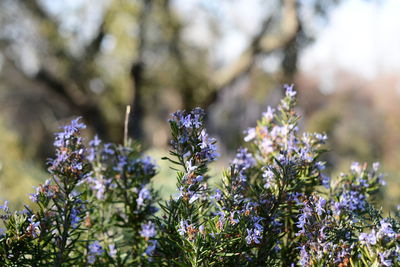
(273, 207)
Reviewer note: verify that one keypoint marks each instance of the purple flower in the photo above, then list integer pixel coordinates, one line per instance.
(99, 187)
(289, 90)
(209, 149)
(33, 227)
(269, 177)
(151, 247)
(218, 195)
(186, 121)
(5, 206)
(320, 206)
(321, 137)
(122, 161)
(250, 134)
(95, 249)
(112, 250)
(304, 257)
(306, 212)
(62, 138)
(183, 227)
(375, 166)
(320, 165)
(356, 168)
(368, 238)
(149, 168)
(386, 229)
(93, 146)
(353, 200)
(144, 194)
(244, 159)
(255, 234)
(269, 115)
(108, 149)
(75, 217)
(148, 230)
(70, 152)
(193, 196)
(325, 180)
(383, 258)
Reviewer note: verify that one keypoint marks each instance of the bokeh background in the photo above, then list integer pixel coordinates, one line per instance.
(65, 58)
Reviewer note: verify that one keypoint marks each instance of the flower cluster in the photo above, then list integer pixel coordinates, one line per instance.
(190, 139)
(275, 205)
(118, 184)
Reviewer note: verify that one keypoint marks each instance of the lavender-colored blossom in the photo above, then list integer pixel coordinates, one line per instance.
(295, 196)
(108, 149)
(375, 166)
(75, 217)
(218, 195)
(386, 230)
(99, 187)
(321, 137)
(112, 250)
(144, 194)
(70, 151)
(267, 146)
(183, 227)
(62, 138)
(190, 127)
(269, 177)
(121, 163)
(320, 165)
(151, 247)
(368, 238)
(148, 230)
(254, 235)
(250, 134)
(304, 257)
(350, 200)
(244, 159)
(306, 155)
(232, 219)
(33, 228)
(34, 197)
(186, 121)
(306, 212)
(208, 147)
(93, 144)
(5, 207)
(289, 90)
(95, 249)
(269, 114)
(320, 206)
(190, 167)
(356, 168)
(383, 257)
(148, 165)
(325, 180)
(202, 229)
(193, 196)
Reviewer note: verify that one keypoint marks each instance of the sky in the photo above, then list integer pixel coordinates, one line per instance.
(362, 37)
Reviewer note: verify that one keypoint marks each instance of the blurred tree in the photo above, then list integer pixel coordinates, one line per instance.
(121, 52)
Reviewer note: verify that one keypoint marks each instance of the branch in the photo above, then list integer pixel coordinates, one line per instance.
(261, 44)
(137, 74)
(49, 28)
(84, 106)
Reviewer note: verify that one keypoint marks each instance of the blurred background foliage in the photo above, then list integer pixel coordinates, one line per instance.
(91, 58)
